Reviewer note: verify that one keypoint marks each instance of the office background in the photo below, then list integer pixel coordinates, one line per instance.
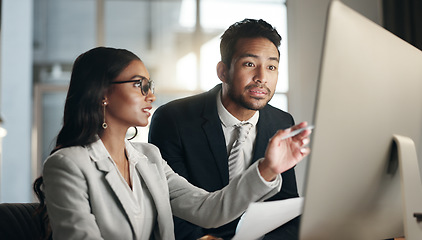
(41, 38)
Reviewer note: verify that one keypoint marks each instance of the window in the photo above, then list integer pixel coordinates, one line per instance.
(177, 39)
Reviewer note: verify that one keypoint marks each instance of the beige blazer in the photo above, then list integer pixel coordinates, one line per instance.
(86, 199)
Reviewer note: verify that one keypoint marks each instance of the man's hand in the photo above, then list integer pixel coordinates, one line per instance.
(281, 155)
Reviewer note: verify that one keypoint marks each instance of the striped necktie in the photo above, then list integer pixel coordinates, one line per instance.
(236, 161)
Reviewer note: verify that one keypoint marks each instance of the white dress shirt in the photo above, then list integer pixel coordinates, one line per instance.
(228, 123)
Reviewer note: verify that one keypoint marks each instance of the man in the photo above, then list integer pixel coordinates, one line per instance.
(195, 134)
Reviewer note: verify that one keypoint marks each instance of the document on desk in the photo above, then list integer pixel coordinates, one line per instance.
(263, 217)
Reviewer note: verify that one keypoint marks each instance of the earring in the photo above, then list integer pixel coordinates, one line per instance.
(104, 110)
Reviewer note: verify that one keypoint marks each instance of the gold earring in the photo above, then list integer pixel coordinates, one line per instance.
(104, 110)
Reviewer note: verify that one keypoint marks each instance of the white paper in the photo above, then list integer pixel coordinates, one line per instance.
(263, 217)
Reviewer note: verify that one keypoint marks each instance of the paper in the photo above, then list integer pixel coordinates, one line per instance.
(263, 217)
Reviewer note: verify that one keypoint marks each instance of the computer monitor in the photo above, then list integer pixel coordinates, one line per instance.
(370, 88)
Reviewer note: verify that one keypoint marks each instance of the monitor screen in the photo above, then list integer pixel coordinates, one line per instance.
(370, 88)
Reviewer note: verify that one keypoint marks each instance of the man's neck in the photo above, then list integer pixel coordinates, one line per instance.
(239, 112)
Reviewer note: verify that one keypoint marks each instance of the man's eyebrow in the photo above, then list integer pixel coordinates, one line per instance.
(245, 55)
(274, 59)
(256, 56)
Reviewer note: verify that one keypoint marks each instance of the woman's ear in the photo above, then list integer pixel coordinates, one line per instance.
(222, 71)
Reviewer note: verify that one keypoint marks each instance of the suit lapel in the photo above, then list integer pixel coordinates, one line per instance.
(160, 195)
(98, 154)
(262, 136)
(122, 194)
(267, 126)
(214, 133)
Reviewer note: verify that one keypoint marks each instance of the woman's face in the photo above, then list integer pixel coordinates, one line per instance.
(126, 105)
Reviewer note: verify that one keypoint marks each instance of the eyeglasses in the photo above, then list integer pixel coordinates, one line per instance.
(144, 84)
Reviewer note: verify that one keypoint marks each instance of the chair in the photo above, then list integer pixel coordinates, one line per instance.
(18, 221)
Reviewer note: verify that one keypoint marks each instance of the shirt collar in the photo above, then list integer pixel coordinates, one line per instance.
(98, 152)
(227, 119)
(133, 155)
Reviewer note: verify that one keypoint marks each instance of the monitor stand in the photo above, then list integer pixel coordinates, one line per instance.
(411, 186)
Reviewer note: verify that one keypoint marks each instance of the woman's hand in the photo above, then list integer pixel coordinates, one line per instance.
(281, 155)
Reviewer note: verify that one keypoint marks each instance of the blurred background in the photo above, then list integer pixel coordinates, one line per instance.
(178, 40)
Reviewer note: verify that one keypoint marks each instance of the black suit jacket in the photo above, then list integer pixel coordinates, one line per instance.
(189, 135)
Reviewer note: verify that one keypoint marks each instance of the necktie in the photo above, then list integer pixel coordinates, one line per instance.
(236, 161)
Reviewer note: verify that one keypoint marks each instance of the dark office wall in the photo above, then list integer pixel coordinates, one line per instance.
(404, 19)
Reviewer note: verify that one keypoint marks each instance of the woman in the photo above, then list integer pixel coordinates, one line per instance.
(98, 185)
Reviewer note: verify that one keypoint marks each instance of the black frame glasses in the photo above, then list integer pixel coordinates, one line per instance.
(144, 84)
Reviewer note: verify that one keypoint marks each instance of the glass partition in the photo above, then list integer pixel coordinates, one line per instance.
(177, 39)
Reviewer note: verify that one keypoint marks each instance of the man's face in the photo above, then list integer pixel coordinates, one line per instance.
(251, 80)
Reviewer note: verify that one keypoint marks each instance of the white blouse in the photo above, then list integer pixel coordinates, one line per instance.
(141, 199)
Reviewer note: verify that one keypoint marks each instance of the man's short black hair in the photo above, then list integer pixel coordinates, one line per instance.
(247, 28)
